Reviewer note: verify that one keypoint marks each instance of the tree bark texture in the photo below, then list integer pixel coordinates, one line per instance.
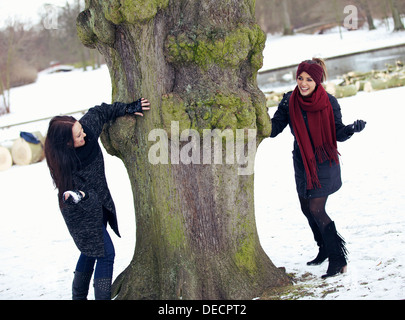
(196, 61)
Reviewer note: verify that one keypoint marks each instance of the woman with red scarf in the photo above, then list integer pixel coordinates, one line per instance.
(315, 121)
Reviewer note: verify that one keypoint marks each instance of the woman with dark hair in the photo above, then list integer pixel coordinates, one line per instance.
(315, 121)
(76, 165)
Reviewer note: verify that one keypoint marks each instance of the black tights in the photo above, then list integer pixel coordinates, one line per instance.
(314, 210)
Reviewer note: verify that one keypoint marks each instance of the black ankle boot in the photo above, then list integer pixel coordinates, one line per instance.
(80, 285)
(321, 257)
(337, 252)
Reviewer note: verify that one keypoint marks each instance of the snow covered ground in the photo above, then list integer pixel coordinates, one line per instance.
(38, 256)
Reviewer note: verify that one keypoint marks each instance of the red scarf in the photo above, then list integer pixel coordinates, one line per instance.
(321, 125)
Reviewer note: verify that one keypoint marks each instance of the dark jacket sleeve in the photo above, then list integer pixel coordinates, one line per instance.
(97, 116)
(341, 131)
(281, 118)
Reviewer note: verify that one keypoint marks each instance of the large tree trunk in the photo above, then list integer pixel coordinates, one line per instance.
(196, 61)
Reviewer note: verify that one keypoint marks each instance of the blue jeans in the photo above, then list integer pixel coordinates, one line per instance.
(104, 266)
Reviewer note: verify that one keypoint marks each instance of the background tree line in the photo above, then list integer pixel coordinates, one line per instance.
(27, 49)
(313, 16)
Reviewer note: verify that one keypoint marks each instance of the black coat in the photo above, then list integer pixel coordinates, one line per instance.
(85, 220)
(328, 174)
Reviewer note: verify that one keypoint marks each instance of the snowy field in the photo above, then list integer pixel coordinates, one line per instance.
(38, 255)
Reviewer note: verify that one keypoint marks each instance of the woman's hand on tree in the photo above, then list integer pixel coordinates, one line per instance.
(138, 107)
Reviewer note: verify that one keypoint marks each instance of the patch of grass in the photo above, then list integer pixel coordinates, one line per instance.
(303, 287)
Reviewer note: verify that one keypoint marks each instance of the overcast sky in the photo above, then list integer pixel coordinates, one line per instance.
(25, 10)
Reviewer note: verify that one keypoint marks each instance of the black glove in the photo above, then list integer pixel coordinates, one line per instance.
(133, 107)
(74, 197)
(357, 126)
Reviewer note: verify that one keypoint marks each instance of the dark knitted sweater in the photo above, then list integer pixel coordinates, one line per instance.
(85, 219)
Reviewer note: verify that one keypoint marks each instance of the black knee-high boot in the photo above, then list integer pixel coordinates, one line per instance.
(322, 253)
(336, 249)
(80, 285)
(102, 288)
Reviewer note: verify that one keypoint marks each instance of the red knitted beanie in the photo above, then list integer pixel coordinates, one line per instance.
(313, 69)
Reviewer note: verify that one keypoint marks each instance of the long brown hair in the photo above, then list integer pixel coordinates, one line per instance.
(60, 153)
